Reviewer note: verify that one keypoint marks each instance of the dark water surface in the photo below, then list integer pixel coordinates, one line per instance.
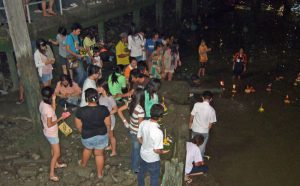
(248, 147)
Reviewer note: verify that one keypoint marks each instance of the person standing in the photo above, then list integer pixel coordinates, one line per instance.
(90, 82)
(137, 113)
(50, 122)
(93, 122)
(72, 48)
(61, 42)
(108, 100)
(202, 50)
(122, 52)
(43, 62)
(135, 45)
(151, 138)
(202, 118)
(239, 63)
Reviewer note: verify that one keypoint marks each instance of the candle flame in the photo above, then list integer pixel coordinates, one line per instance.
(222, 83)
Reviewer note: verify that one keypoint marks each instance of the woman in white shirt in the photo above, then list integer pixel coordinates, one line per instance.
(43, 62)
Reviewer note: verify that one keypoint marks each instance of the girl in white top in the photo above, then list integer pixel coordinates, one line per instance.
(108, 100)
(43, 62)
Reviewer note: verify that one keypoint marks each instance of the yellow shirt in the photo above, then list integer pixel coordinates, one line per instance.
(203, 53)
(89, 43)
(121, 48)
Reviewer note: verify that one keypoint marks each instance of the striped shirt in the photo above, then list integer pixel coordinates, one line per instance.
(134, 118)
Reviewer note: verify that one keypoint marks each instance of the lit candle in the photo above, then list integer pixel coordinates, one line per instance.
(222, 83)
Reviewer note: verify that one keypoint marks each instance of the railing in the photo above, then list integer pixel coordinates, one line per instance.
(40, 2)
(35, 3)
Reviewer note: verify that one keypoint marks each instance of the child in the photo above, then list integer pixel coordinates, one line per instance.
(97, 60)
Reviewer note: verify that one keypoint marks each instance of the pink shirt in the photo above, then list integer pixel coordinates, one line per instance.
(47, 112)
(47, 69)
(61, 89)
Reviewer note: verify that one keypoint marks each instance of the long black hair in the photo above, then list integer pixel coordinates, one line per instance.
(137, 99)
(102, 83)
(114, 77)
(152, 87)
(64, 77)
(39, 44)
(47, 93)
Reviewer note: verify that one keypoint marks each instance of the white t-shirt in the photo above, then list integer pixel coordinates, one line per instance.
(193, 154)
(135, 45)
(88, 83)
(203, 114)
(152, 139)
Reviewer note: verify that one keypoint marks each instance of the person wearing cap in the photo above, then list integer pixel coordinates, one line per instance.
(122, 51)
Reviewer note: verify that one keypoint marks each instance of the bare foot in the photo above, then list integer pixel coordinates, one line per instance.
(51, 12)
(46, 15)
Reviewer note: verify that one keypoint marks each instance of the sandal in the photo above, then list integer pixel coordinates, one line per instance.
(79, 163)
(188, 180)
(21, 101)
(54, 179)
(62, 165)
(112, 155)
(108, 148)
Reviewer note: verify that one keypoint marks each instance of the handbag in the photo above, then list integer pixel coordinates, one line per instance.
(72, 62)
(65, 128)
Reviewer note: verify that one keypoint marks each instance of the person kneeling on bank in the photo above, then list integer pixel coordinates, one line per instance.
(194, 164)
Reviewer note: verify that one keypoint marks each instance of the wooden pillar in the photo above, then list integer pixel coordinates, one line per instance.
(137, 17)
(194, 7)
(178, 10)
(101, 30)
(159, 12)
(13, 70)
(21, 43)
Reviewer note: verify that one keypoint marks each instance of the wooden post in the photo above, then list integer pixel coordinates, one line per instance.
(159, 12)
(101, 30)
(178, 10)
(136, 17)
(13, 70)
(21, 43)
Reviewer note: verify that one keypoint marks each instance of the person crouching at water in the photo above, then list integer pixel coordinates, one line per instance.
(50, 128)
(239, 63)
(194, 164)
(93, 122)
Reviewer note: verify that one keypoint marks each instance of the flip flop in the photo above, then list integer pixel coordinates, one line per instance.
(113, 155)
(54, 179)
(188, 180)
(62, 165)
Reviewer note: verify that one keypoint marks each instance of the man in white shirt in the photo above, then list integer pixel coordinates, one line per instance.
(194, 164)
(203, 116)
(151, 138)
(90, 82)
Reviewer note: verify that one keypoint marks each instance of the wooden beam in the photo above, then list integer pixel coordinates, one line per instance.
(21, 43)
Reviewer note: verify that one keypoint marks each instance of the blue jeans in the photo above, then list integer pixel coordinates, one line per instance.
(202, 147)
(154, 171)
(80, 74)
(135, 153)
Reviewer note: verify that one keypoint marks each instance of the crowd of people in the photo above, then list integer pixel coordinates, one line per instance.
(97, 88)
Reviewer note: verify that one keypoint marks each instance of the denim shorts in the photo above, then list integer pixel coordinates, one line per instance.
(96, 142)
(62, 60)
(53, 140)
(46, 77)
